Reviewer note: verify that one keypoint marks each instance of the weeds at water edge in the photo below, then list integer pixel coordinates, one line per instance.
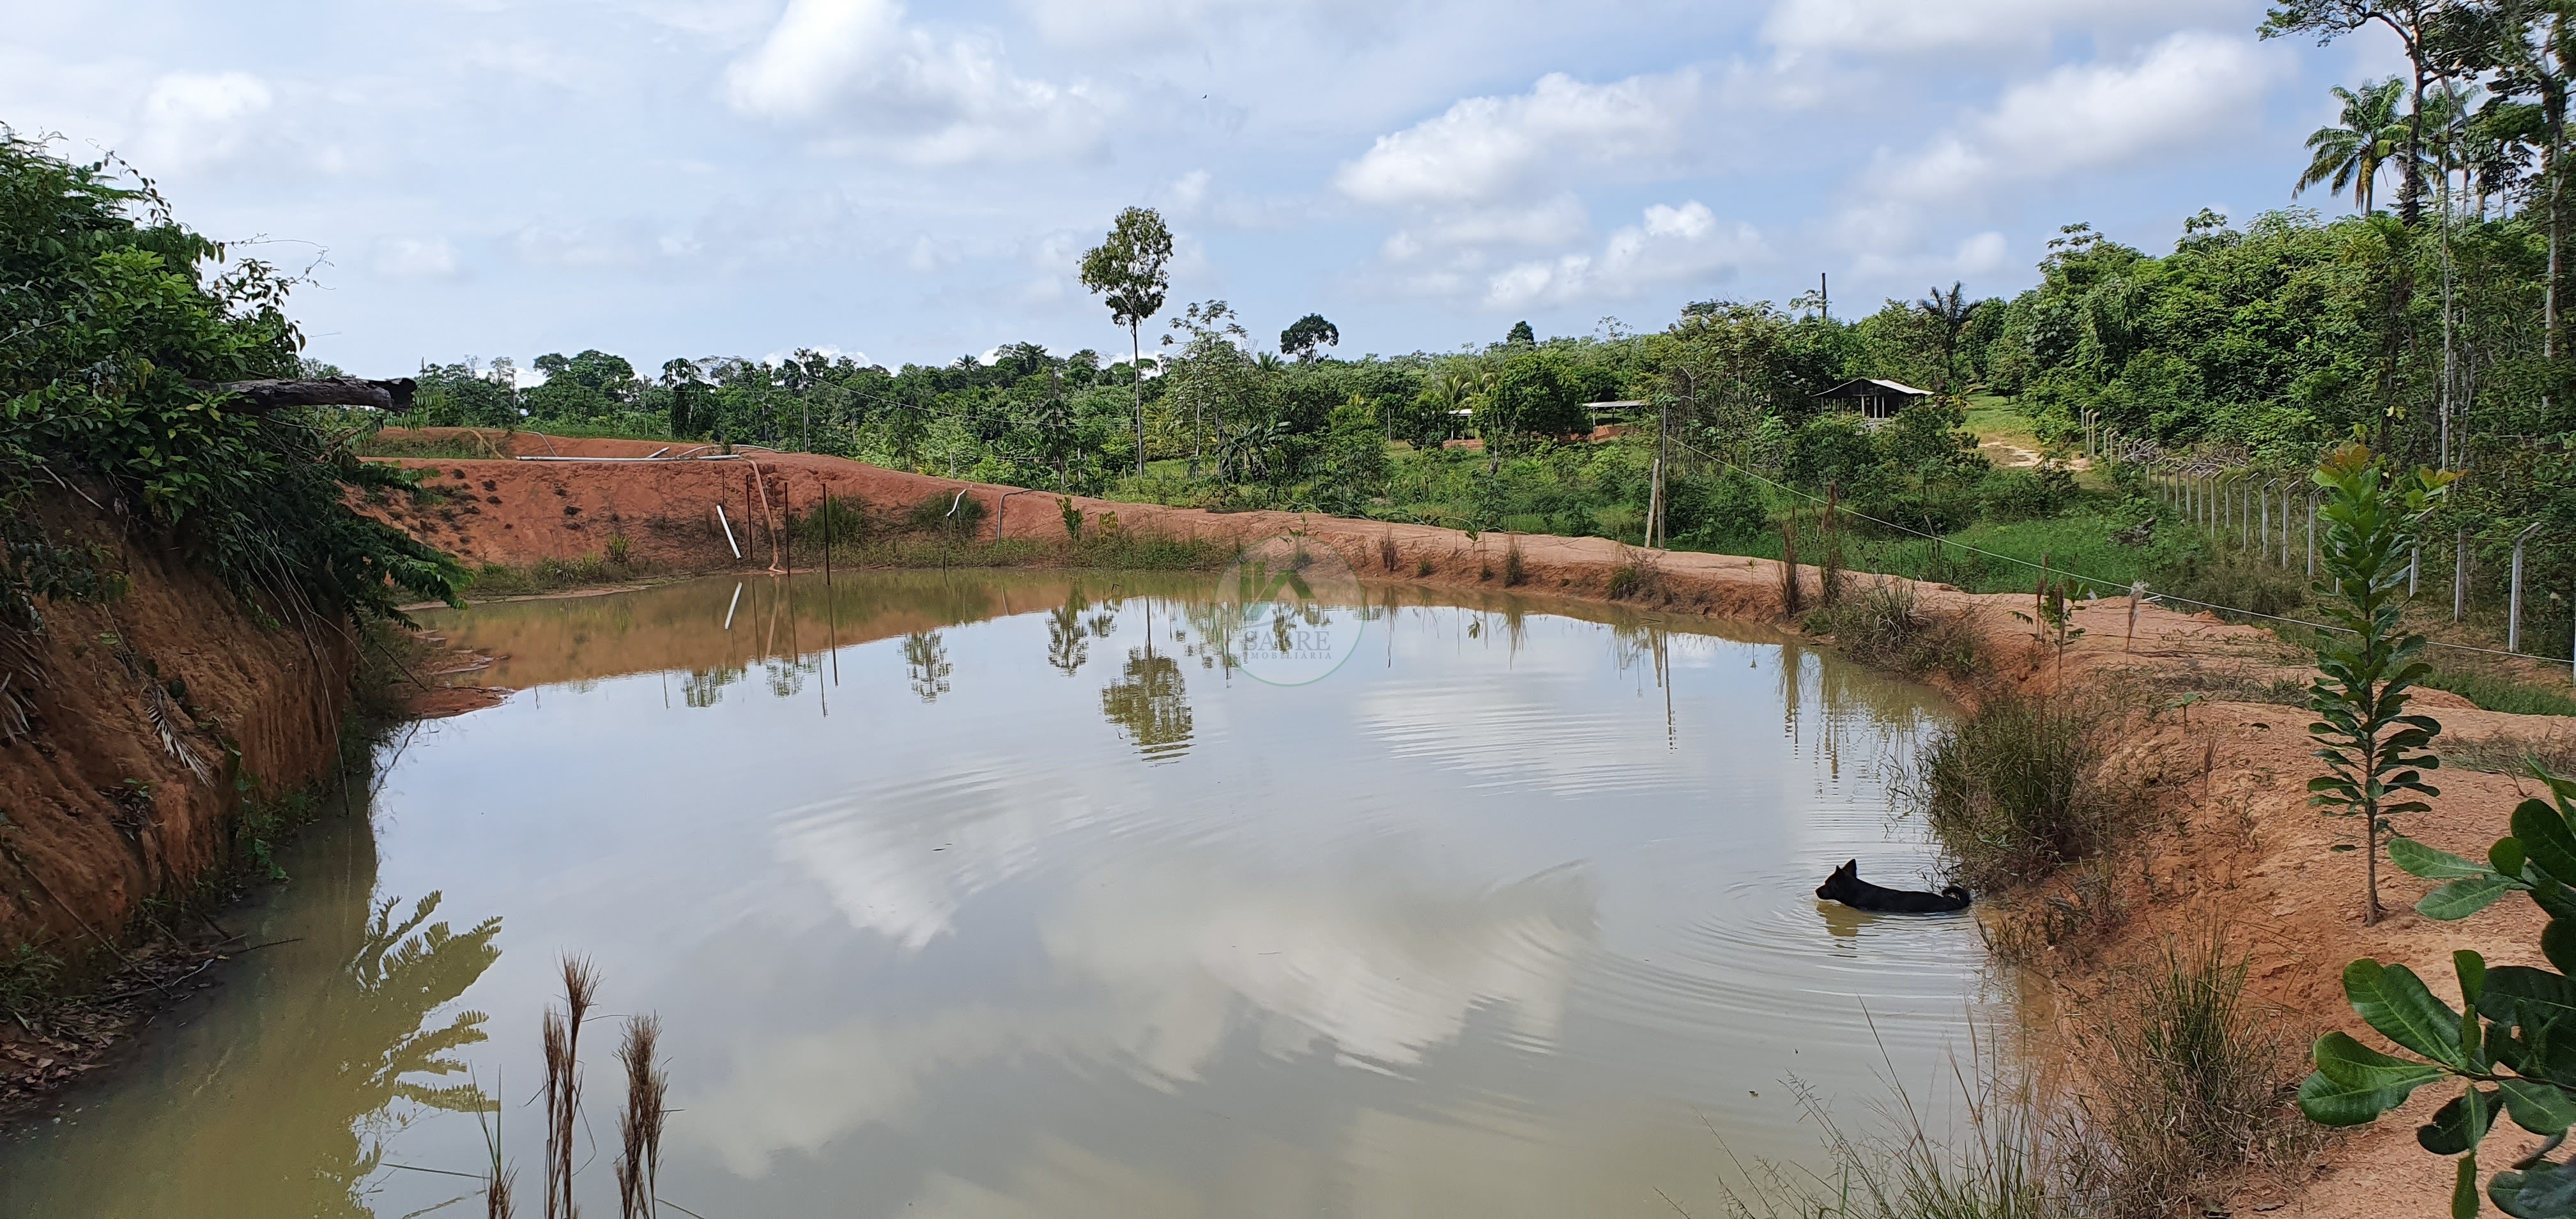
(2014, 791)
(1886, 627)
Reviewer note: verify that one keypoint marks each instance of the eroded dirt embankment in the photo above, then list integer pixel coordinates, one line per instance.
(155, 714)
(2236, 843)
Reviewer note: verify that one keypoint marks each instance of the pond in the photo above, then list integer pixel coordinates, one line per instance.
(979, 895)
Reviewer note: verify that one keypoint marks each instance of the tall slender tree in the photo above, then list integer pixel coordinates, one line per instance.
(2370, 136)
(2414, 22)
(1129, 271)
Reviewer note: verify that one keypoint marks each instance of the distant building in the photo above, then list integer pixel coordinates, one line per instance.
(1872, 397)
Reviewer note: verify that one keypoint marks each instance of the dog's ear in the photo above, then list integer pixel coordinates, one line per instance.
(1850, 868)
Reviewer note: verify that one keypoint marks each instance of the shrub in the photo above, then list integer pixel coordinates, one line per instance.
(2027, 494)
(1735, 510)
(2012, 792)
(946, 512)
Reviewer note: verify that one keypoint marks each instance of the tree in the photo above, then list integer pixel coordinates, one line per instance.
(1522, 335)
(2413, 21)
(680, 377)
(2372, 749)
(1949, 314)
(1307, 333)
(1128, 271)
(2353, 154)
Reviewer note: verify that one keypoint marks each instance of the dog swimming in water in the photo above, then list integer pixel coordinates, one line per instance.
(1846, 886)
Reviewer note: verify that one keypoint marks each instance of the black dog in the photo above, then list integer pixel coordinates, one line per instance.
(1846, 886)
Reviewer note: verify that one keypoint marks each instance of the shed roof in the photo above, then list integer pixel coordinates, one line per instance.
(1862, 387)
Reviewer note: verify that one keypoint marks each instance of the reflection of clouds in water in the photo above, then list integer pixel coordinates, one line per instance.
(904, 874)
(1162, 965)
(1370, 962)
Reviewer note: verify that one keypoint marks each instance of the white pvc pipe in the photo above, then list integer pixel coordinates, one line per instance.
(728, 530)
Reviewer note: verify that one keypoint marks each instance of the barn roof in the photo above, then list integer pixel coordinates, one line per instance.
(1860, 387)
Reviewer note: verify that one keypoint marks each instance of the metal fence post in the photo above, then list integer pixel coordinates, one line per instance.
(2286, 496)
(2414, 568)
(2312, 535)
(2513, 612)
(2263, 539)
(2460, 575)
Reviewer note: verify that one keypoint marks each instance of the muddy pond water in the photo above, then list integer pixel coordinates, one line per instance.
(1006, 895)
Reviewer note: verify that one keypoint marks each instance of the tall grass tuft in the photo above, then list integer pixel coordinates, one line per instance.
(2014, 1160)
(2012, 790)
(1387, 556)
(1515, 569)
(563, 1082)
(2189, 1084)
(639, 1159)
(1886, 627)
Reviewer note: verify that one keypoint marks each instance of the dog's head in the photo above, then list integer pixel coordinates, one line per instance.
(1840, 885)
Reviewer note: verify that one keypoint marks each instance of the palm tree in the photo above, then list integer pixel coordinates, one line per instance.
(2373, 135)
(1951, 312)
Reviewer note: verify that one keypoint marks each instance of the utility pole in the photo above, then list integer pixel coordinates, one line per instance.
(1824, 298)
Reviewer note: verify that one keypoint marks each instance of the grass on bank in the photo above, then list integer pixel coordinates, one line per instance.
(2179, 1091)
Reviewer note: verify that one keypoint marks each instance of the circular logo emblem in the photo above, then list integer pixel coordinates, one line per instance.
(1291, 609)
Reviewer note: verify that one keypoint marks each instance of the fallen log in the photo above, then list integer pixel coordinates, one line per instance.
(272, 393)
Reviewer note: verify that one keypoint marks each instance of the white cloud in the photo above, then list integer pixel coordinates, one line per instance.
(1671, 245)
(2186, 90)
(1915, 27)
(879, 85)
(2085, 116)
(196, 120)
(416, 258)
(1486, 148)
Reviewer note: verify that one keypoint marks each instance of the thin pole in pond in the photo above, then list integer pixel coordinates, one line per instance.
(831, 608)
(729, 606)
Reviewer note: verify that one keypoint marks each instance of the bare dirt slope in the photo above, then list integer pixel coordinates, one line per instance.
(2239, 843)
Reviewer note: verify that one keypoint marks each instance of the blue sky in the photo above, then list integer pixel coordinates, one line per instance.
(915, 182)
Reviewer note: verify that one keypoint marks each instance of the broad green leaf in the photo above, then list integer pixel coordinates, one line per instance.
(2544, 1192)
(2552, 996)
(2420, 860)
(2546, 838)
(2462, 898)
(2459, 1125)
(2354, 1084)
(2464, 1188)
(2506, 856)
(2558, 943)
(2539, 1107)
(2395, 1002)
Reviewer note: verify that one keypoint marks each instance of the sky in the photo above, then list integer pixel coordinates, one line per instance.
(913, 183)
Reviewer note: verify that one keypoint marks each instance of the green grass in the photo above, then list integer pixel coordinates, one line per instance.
(547, 575)
(2503, 693)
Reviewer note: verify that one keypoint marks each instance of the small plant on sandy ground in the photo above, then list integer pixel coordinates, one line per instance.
(1072, 514)
(1387, 555)
(2372, 749)
(2514, 1042)
(2013, 792)
(1515, 570)
(1887, 627)
(1638, 574)
(620, 549)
